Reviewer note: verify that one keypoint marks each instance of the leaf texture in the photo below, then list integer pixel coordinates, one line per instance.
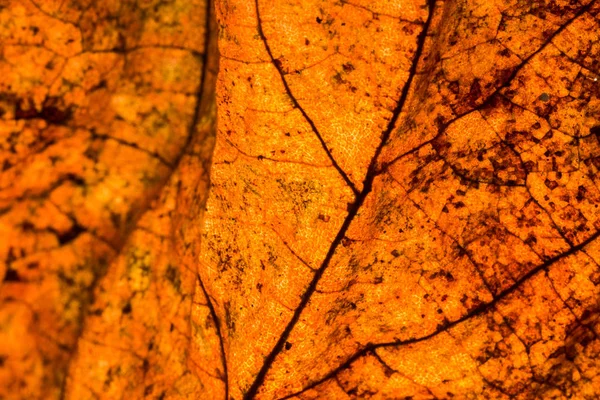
(106, 112)
(402, 201)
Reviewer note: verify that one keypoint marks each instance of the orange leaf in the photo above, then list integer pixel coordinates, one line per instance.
(403, 199)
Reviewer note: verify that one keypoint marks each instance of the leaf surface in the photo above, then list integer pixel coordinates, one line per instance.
(101, 125)
(405, 199)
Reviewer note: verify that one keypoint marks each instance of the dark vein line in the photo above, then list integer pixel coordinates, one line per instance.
(475, 312)
(375, 13)
(367, 187)
(525, 61)
(385, 365)
(578, 320)
(506, 84)
(306, 264)
(374, 172)
(279, 160)
(201, 368)
(385, 167)
(299, 107)
(133, 145)
(516, 285)
(217, 321)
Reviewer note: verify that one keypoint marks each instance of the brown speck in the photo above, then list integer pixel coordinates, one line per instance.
(551, 184)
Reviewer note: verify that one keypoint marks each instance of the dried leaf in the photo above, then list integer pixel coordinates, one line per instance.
(100, 113)
(403, 199)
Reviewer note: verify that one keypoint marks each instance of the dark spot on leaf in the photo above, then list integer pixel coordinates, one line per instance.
(474, 93)
(51, 112)
(531, 239)
(148, 390)
(529, 166)
(27, 226)
(70, 235)
(454, 87)
(581, 191)
(77, 180)
(551, 184)
(127, 308)
(12, 276)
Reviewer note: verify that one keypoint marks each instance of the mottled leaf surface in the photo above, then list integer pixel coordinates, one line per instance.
(105, 125)
(405, 199)
(402, 201)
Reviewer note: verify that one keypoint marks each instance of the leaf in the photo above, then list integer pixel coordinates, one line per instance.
(403, 200)
(102, 122)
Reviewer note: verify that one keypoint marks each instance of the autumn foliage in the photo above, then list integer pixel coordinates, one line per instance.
(306, 199)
